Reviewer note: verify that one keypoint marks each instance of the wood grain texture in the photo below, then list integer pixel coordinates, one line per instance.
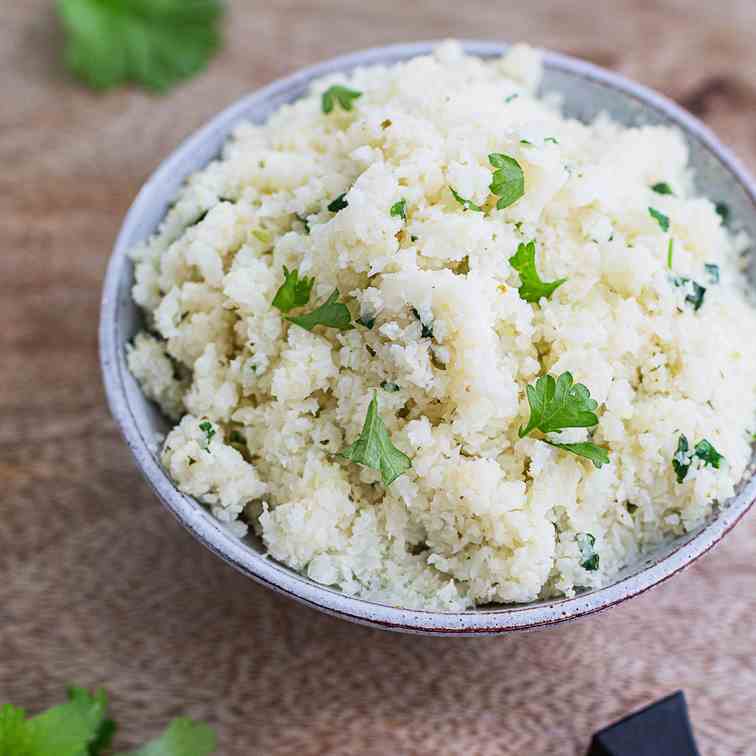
(100, 586)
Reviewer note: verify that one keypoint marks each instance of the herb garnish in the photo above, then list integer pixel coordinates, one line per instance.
(294, 291)
(662, 188)
(338, 204)
(553, 140)
(670, 252)
(508, 182)
(723, 211)
(426, 330)
(466, 203)
(399, 209)
(558, 404)
(511, 97)
(660, 218)
(589, 558)
(696, 297)
(532, 288)
(366, 321)
(389, 386)
(338, 93)
(683, 458)
(207, 428)
(713, 270)
(332, 314)
(303, 220)
(111, 42)
(374, 449)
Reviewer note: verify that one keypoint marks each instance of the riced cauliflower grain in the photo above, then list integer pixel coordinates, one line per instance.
(441, 333)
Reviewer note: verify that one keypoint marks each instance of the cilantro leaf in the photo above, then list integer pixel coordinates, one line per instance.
(182, 738)
(662, 188)
(400, 209)
(683, 457)
(374, 449)
(532, 288)
(713, 270)
(556, 404)
(511, 97)
(293, 292)
(426, 329)
(589, 558)
(596, 454)
(660, 218)
(155, 44)
(696, 295)
(338, 93)
(14, 736)
(338, 204)
(207, 428)
(332, 314)
(466, 203)
(508, 182)
(553, 140)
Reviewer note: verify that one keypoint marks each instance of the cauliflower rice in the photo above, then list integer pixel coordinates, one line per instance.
(444, 338)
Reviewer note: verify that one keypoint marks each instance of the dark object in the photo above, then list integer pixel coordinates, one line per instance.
(661, 729)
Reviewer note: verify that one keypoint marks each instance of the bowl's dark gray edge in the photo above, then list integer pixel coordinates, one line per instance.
(267, 572)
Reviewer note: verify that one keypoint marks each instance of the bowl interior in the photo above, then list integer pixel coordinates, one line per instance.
(585, 91)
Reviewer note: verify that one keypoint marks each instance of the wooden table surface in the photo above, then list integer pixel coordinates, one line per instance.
(100, 585)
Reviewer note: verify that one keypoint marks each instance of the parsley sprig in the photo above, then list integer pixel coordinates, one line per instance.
(660, 218)
(532, 288)
(81, 727)
(466, 203)
(508, 182)
(332, 314)
(558, 404)
(155, 44)
(374, 449)
(683, 457)
(589, 558)
(341, 94)
(399, 209)
(293, 292)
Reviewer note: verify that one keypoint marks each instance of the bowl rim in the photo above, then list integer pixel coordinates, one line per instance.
(265, 570)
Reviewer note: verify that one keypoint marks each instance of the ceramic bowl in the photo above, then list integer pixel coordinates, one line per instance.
(586, 91)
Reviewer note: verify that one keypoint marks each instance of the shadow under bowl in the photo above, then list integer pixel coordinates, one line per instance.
(586, 91)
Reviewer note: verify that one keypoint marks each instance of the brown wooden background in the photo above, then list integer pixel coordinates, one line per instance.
(100, 586)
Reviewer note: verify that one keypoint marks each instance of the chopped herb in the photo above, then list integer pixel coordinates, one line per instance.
(589, 558)
(670, 252)
(293, 292)
(426, 331)
(683, 457)
(157, 45)
(303, 220)
(374, 449)
(337, 93)
(262, 235)
(367, 321)
(511, 97)
(388, 386)
(660, 218)
(338, 204)
(399, 209)
(557, 404)
(723, 211)
(199, 219)
(696, 297)
(413, 238)
(508, 182)
(466, 203)
(532, 288)
(526, 142)
(553, 140)
(332, 314)
(207, 428)
(713, 270)
(662, 188)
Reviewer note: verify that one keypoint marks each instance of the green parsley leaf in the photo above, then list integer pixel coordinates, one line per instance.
(338, 204)
(466, 203)
(682, 459)
(662, 188)
(207, 428)
(182, 738)
(332, 314)
(374, 448)
(400, 209)
(553, 140)
(589, 558)
(556, 404)
(596, 454)
(511, 97)
(532, 288)
(426, 329)
(337, 93)
(660, 218)
(391, 387)
(696, 296)
(723, 211)
(670, 252)
(293, 292)
(155, 44)
(526, 142)
(713, 270)
(508, 182)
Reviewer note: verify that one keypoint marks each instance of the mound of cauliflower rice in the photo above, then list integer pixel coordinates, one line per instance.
(348, 314)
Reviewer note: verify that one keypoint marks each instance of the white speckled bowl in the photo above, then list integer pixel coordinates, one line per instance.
(586, 90)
